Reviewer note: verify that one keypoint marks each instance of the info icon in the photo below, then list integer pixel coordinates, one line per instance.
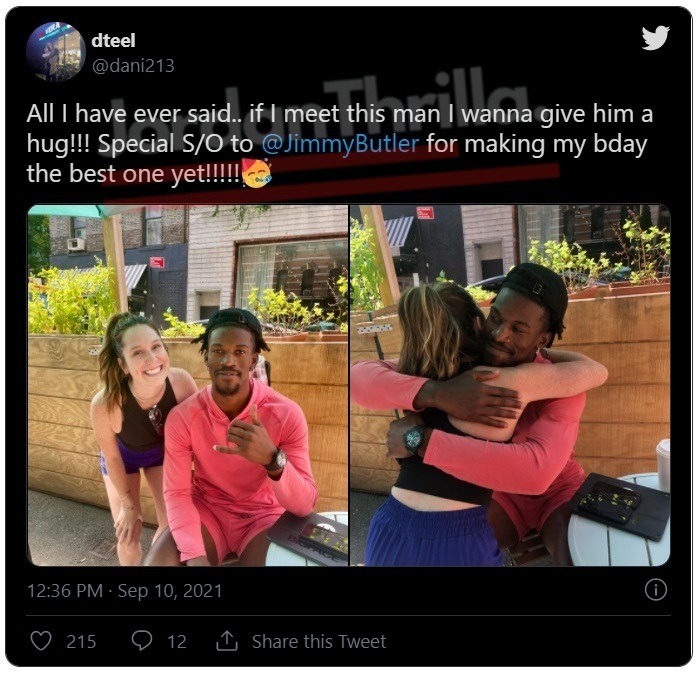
(55, 52)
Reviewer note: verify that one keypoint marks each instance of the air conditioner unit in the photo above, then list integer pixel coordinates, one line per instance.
(76, 244)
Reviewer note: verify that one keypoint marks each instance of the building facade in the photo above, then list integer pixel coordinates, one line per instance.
(295, 248)
(155, 254)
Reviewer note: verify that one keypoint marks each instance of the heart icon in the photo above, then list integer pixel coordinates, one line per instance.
(40, 640)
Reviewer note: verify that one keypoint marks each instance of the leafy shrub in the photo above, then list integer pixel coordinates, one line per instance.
(180, 328)
(72, 301)
(366, 278)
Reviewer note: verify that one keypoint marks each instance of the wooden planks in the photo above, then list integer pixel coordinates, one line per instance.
(62, 379)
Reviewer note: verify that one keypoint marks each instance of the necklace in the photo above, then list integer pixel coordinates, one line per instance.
(143, 400)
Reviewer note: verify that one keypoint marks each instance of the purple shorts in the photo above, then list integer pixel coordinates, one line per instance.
(134, 461)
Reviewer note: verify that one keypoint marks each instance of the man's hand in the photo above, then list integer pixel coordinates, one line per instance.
(394, 443)
(250, 440)
(466, 398)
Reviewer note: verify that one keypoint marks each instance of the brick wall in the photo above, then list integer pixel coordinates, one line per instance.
(213, 233)
(174, 219)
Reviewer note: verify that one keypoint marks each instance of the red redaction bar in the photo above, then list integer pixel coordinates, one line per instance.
(315, 162)
(305, 191)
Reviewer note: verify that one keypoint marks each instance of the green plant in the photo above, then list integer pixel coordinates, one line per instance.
(365, 277)
(646, 250)
(479, 294)
(72, 301)
(243, 214)
(39, 242)
(180, 328)
(577, 269)
(339, 290)
(285, 313)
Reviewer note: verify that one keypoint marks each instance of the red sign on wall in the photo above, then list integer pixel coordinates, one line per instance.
(157, 262)
(425, 212)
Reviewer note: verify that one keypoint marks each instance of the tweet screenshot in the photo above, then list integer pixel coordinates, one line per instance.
(332, 314)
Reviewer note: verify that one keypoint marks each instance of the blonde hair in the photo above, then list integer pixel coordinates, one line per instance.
(441, 330)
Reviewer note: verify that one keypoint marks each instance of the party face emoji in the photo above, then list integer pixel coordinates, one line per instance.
(255, 173)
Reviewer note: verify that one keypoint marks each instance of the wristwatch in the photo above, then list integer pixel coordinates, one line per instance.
(412, 439)
(278, 461)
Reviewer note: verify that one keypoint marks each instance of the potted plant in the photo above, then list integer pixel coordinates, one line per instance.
(283, 316)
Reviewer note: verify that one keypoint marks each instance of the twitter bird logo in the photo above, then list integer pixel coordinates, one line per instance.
(657, 39)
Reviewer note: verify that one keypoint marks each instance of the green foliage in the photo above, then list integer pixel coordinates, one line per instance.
(243, 214)
(180, 328)
(39, 242)
(575, 266)
(478, 294)
(339, 291)
(72, 301)
(366, 278)
(645, 250)
(285, 313)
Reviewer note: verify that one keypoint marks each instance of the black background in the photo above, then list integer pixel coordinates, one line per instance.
(573, 57)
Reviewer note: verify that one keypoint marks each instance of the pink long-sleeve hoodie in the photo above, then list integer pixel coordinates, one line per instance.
(541, 446)
(194, 426)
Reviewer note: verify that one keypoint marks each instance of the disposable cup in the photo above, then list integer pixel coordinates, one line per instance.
(663, 451)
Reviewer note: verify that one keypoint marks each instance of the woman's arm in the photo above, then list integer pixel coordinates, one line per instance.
(182, 384)
(574, 374)
(125, 525)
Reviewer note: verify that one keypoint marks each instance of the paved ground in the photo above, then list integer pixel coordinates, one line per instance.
(67, 533)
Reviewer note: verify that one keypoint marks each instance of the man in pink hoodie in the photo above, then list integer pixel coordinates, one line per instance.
(249, 446)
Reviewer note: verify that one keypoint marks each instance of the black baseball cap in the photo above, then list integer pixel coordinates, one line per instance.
(235, 316)
(541, 285)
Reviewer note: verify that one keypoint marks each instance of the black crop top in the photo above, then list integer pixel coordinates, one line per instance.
(137, 431)
(417, 476)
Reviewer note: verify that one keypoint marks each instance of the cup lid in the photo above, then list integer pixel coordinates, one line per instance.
(664, 447)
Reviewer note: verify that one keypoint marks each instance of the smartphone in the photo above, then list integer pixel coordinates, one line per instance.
(609, 509)
(610, 492)
(325, 540)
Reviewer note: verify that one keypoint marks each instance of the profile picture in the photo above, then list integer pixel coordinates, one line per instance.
(55, 52)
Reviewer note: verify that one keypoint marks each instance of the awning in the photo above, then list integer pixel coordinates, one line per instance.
(81, 210)
(132, 274)
(397, 231)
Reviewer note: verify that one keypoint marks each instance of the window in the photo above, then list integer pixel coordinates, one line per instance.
(152, 225)
(209, 302)
(300, 267)
(78, 228)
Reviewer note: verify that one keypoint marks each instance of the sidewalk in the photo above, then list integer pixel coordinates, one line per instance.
(68, 533)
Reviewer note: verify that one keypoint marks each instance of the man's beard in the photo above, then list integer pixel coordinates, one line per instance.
(228, 391)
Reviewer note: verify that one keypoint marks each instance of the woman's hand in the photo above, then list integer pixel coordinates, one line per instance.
(128, 525)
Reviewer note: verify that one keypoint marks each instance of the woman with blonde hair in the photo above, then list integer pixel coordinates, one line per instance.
(139, 388)
(432, 518)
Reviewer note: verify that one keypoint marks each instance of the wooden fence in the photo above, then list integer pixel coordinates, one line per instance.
(623, 420)
(63, 452)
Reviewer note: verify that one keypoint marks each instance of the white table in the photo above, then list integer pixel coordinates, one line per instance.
(595, 544)
(279, 556)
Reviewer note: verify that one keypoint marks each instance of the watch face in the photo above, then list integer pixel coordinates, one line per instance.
(280, 458)
(413, 438)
